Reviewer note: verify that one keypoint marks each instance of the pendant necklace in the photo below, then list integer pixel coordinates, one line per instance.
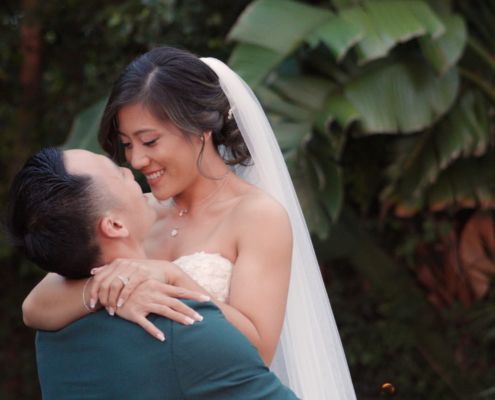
(182, 212)
(175, 231)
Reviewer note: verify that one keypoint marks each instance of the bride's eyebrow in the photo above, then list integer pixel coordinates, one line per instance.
(138, 132)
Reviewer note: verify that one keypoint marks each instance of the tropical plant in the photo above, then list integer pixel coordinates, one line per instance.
(409, 81)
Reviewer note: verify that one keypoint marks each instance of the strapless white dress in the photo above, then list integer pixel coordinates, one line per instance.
(212, 271)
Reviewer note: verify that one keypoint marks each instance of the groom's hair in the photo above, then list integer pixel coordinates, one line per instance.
(52, 216)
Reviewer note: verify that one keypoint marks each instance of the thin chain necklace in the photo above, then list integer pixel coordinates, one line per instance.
(182, 212)
(176, 228)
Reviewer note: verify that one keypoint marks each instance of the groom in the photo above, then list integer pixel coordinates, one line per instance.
(61, 215)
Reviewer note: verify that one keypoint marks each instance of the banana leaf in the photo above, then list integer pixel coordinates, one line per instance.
(278, 25)
(464, 132)
(407, 97)
(387, 23)
(84, 131)
(443, 52)
(338, 35)
(308, 92)
(253, 63)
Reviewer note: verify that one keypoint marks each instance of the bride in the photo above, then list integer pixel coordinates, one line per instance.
(228, 216)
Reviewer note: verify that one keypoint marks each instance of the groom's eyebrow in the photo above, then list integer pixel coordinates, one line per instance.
(116, 166)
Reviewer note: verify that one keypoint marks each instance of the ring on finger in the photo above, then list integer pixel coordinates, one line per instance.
(124, 280)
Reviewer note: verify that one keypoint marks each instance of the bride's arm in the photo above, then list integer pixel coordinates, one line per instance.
(55, 303)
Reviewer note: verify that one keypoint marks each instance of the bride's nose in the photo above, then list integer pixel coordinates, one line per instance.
(138, 158)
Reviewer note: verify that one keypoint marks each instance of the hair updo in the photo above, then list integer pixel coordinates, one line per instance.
(176, 86)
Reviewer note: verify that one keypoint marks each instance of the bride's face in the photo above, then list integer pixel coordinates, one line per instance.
(159, 150)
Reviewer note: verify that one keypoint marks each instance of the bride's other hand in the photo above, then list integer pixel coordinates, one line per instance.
(155, 297)
(114, 283)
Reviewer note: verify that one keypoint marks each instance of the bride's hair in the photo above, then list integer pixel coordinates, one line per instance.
(176, 86)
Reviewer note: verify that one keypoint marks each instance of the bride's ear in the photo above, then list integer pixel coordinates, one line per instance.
(207, 135)
(113, 227)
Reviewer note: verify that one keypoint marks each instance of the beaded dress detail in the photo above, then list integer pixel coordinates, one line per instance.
(212, 271)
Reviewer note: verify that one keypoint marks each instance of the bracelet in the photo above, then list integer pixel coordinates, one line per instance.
(84, 296)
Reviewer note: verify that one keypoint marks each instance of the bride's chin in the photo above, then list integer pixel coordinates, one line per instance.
(160, 193)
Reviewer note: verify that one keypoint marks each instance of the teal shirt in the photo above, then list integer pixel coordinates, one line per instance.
(103, 357)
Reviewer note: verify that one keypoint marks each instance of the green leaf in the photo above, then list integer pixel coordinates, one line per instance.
(487, 392)
(466, 183)
(253, 63)
(306, 91)
(464, 132)
(84, 131)
(443, 52)
(338, 35)
(394, 21)
(290, 134)
(274, 103)
(331, 190)
(431, 21)
(305, 181)
(371, 46)
(386, 23)
(279, 25)
(407, 97)
(342, 110)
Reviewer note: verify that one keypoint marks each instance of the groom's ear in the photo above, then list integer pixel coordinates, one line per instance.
(112, 227)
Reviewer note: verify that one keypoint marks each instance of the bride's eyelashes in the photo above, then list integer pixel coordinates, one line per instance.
(148, 144)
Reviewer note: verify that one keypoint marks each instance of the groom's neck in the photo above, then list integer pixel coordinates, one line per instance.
(121, 249)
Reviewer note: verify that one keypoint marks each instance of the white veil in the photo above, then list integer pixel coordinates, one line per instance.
(309, 358)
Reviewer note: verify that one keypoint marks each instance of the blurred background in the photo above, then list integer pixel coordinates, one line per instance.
(384, 110)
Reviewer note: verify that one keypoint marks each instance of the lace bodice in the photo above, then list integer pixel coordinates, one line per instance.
(212, 271)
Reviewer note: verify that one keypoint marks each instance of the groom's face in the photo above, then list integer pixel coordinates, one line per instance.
(119, 183)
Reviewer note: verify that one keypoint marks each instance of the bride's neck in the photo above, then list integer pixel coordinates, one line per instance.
(208, 183)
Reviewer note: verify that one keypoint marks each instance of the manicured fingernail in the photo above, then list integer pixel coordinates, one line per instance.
(189, 321)
(92, 303)
(205, 298)
(120, 302)
(161, 336)
(198, 317)
(111, 311)
(93, 271)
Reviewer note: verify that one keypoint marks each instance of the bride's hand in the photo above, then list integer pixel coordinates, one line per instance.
(153, 297)
(114, 283)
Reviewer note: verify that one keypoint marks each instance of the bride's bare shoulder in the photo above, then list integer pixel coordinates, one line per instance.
(256, 205)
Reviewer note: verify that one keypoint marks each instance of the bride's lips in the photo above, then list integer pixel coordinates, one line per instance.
(154, 177)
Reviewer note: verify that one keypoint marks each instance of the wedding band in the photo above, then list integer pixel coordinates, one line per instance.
(124, 280)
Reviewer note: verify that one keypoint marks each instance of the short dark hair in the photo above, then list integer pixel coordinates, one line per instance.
(175, 86)
(51, 216)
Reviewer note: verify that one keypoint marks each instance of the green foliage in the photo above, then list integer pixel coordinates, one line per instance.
(380, 106)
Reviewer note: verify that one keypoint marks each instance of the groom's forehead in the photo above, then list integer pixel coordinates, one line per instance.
(82, 161)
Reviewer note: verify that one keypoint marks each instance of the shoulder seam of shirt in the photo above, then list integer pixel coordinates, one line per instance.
(173, 359)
